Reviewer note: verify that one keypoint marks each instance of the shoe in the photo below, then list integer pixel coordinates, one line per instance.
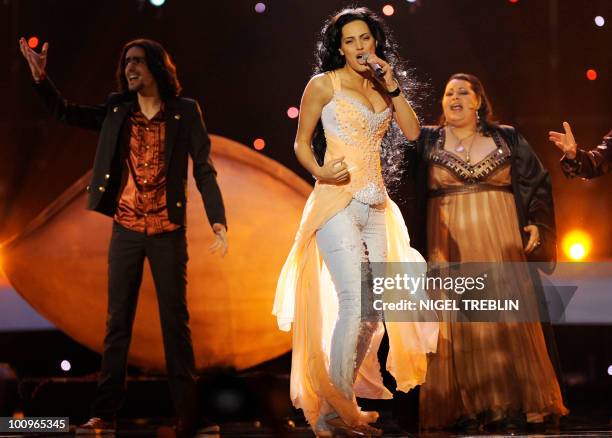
(322, 429)
(509, 424)
(322, 432)
(97, 426)
(549, 424)
(366, 430)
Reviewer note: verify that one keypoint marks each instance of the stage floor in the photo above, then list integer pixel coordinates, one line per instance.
(159, 428)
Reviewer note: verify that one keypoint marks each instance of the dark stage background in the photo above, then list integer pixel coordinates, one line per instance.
(247, 69)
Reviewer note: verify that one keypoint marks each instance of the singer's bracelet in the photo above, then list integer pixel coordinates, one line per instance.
(395, 92)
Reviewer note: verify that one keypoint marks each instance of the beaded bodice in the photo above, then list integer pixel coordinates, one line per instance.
(467, 172)
(355, 131)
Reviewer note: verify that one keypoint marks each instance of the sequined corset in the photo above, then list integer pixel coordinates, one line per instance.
(471, 173)
(355, 131)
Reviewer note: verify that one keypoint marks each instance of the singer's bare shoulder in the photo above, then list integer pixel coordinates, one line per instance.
(319, 89)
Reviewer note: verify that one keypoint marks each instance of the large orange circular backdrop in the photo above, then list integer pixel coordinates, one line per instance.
(58, 264)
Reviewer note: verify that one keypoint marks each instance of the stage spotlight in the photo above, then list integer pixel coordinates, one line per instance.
(610, 370)
(600, 21)
(576, 245)
(259, 144)
(412, 1)
(513, 1)
(293, 112)
(260, 8)
(157, 3)
(591, 74)
(577, 251)
(388, 10)
(33, 42)
(65, 365)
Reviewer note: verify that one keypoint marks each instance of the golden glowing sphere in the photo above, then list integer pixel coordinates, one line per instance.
(577, 245)
(577, 251)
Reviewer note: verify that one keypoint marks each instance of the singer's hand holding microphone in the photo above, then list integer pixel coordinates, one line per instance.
(381, 70)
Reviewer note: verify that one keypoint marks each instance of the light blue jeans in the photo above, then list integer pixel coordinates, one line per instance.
(354, 235)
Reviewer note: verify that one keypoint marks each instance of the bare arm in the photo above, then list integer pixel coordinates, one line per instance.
(405, 117)
(403, 113)
(317, 94)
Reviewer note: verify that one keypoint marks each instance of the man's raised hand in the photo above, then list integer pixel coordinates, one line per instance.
(36, 61)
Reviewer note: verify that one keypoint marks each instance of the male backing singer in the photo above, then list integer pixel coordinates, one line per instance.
(147, 133)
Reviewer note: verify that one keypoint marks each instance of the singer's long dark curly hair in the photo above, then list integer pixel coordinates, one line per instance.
(160, 64)
(328, 58)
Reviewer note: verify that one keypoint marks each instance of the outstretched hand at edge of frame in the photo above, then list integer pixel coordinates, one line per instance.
(565, 142)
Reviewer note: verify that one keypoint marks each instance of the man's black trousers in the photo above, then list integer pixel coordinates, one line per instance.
(167, 256)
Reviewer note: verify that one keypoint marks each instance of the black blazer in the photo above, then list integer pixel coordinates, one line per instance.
(185, 136)
(531, 188)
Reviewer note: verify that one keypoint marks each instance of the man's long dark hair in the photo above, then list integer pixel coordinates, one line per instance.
(328, 58)
(160, 65)
(485, 111)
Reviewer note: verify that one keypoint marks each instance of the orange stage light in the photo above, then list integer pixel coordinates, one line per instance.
(388, 10)
(577, 245)
(259, 144)
(293, 112)
(33, 42)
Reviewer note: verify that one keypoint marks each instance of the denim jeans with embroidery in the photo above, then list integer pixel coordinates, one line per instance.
(354, 235)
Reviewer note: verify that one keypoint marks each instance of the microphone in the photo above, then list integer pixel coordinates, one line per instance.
(374, 66)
